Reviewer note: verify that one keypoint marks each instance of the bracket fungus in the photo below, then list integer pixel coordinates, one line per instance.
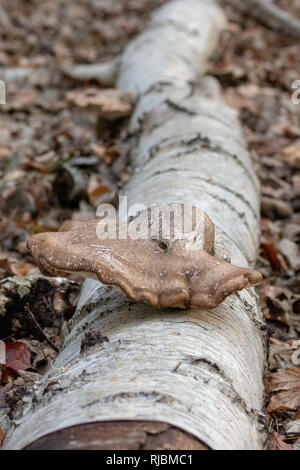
(162, 271)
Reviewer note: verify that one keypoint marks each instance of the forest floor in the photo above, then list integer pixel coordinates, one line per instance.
(58, 162)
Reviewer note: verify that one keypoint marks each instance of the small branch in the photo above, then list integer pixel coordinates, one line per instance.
(105, 73)
(38, 326)
(269, 14)
(14, 74)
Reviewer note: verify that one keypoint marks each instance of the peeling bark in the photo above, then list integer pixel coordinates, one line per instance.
(198, 370)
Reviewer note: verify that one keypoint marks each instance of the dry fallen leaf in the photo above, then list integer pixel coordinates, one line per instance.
(107, 154)
(18, 356)
(3, 260)
(22, 99)
(278, 444)
(281, 354)
(96, 187)
(5, 376)
(37, 166)
(21, 268)
(110, 103)
(292, 154)
(271, 253)
(4, 152)
(290, 251)
(240, 102)
(287, 383)
(99, 150)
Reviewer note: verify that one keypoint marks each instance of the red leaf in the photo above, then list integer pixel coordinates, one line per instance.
(18, 356)
(5, 374)
(271, 254)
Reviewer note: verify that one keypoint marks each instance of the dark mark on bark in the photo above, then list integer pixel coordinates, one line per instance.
(155, 396)
(241, 215)
(213, 183)
(181, 108)
(90, 339)
(179, 26)
(186, 321)
(229, 390)
(202, 143)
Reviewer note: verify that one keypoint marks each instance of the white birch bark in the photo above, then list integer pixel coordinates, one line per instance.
(198, 369)
(269, 14)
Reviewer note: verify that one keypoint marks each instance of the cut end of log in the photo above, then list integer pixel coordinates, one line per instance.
(162, 271)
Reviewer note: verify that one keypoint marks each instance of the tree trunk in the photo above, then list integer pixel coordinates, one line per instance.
(199, 370)
(270, 15)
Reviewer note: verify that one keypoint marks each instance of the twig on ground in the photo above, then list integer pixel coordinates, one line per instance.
(37, 325)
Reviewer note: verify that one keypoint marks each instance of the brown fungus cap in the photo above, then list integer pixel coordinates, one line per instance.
(161, 271)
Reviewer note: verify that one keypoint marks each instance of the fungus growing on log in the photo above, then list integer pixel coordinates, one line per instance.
(161, 272)
(197, 369)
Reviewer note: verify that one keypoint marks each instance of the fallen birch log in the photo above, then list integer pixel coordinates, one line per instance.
(270, 15)
(198, 369)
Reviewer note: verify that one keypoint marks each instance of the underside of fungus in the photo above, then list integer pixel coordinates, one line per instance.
(147, 266)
